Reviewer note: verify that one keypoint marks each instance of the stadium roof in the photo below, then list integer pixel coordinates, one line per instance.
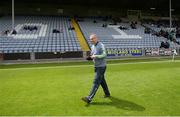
(133, 4)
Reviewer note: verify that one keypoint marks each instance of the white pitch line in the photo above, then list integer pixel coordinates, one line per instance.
(78, 66)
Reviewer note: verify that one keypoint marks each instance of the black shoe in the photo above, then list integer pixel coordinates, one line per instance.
(107, 96)
(85, 99)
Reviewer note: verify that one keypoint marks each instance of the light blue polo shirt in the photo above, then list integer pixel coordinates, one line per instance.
(100, 53)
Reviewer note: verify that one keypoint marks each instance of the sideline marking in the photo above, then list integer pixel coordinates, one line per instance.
(78, 66)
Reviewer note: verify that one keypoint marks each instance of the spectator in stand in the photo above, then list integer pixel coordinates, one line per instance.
(164, 45)
(177, 32)
(6, 32)
(147, 30)
(14, 32)
(172, 37)
(104, 25)
(133, 25)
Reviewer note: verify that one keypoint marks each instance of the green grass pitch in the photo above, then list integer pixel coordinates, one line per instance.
(137, 89)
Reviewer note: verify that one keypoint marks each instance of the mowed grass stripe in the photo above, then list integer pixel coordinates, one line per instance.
(88, 65)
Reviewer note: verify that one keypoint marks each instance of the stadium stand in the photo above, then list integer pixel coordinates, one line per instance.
(36, 37)
(113, 37)
(42, 39)
(160, 29)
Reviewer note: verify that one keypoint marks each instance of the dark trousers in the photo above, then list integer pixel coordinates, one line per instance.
(99, 80)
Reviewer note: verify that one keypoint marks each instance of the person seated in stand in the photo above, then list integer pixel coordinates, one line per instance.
(177, 32)
(14, 32)
(123, 28)
(35, 28)
(104, 25)
(133, 25)
(71, 28)
(94, 21)
(162, 44)
(147, 30)
(56, 31)
(6, 32)
(165, 45)
(30, 28)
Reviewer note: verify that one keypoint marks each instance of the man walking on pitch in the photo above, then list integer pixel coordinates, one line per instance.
(98, 54)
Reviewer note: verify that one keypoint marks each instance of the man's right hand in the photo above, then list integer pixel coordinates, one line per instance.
(89, 58)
